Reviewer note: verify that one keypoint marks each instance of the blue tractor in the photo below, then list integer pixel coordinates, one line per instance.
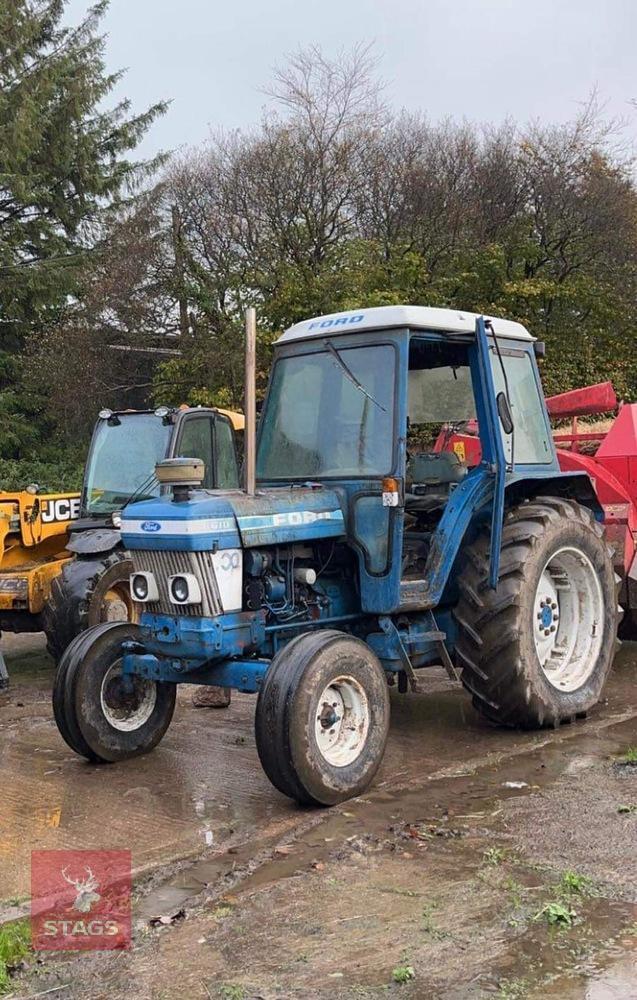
(360, 556)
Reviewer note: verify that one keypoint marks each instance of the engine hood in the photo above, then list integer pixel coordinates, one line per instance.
(231, 519)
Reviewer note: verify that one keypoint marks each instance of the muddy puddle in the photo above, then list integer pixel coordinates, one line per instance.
(434, 879)
(444, 865)
(447, 807)
(616, 981)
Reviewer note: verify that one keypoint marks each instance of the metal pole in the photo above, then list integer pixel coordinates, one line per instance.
(250, 435)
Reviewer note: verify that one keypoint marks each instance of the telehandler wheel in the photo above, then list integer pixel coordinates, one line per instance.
(537, 650)
(87, 592)
(102, 715)
(322, 718)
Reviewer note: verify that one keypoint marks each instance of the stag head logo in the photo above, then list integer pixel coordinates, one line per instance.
(85, 888)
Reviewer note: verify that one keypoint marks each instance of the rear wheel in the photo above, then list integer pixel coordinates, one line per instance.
(88, 591)
(537, 650)
(322, 718)
(102, 714)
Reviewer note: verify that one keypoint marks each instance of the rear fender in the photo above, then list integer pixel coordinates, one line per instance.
(572, 486)
(84, 543)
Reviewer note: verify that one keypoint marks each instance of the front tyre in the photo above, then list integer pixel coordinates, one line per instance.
(102, 714)
(322, 718)
(537, 650)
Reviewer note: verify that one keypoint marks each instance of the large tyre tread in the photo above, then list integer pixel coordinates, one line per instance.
(73, 672)
(64, 691)
(271, 719)
(67, 612)
(489, 621)
(274, 720)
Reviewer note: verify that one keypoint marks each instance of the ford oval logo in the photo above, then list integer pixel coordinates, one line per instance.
(151, 526)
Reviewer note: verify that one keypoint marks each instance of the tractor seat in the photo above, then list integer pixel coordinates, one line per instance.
(430, 476)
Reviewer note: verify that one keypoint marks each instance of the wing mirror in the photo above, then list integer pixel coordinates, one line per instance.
(504, 413)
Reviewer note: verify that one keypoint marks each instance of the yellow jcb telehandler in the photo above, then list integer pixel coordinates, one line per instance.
(34, 531)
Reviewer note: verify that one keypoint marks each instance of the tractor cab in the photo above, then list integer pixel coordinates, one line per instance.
(357, 403)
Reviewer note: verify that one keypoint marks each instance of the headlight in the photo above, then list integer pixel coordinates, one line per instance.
(184, 589)
(143, 587)
(14, 585)
(116, 518)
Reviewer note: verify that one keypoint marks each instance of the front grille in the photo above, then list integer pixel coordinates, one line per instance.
(163, 564)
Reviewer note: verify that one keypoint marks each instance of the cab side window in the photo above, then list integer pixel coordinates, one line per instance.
(530, 442)
(227, 477)
(197, 442)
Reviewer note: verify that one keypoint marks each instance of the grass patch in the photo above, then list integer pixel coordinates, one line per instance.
(494, 856)
(232, 992)
(515, 888)
(512, 989)
(403, 973)
(573, 884)
(15, 941)
(429, 925)
(557, 914)
(629, 756)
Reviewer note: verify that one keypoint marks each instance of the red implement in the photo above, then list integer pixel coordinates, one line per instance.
(611, 466)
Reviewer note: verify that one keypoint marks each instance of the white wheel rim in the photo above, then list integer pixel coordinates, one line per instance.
(127, 702)
(342, 721)
(568, 619)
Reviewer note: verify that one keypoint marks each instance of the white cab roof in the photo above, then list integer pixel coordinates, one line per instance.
(387, 317)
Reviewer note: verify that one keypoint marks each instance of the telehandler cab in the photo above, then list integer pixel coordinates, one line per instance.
(361, 556)
(125, 448)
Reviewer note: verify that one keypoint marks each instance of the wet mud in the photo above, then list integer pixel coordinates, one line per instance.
(482, 862)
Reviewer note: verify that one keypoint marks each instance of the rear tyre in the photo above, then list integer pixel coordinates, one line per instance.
(87, 592)
(537, 650)
(322, 718)
(101, 714)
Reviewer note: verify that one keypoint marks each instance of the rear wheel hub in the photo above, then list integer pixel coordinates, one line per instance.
(569, 619)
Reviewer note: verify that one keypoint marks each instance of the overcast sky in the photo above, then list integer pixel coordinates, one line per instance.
(479, 59)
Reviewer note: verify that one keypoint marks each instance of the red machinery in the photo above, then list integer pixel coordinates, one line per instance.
(608, 456)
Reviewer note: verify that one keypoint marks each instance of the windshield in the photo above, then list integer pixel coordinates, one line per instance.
(329, 414)
(438, 395)
(122, 461)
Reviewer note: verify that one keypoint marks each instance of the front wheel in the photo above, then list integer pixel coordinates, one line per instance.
(537, 650)
(101, 713)
(322, 718)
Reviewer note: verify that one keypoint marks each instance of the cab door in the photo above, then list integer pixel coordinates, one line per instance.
(209, 436)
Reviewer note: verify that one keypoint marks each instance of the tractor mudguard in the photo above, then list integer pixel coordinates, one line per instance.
(97, 540)
(573, 486)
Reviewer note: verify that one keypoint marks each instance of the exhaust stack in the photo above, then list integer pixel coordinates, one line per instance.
(250, 435)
